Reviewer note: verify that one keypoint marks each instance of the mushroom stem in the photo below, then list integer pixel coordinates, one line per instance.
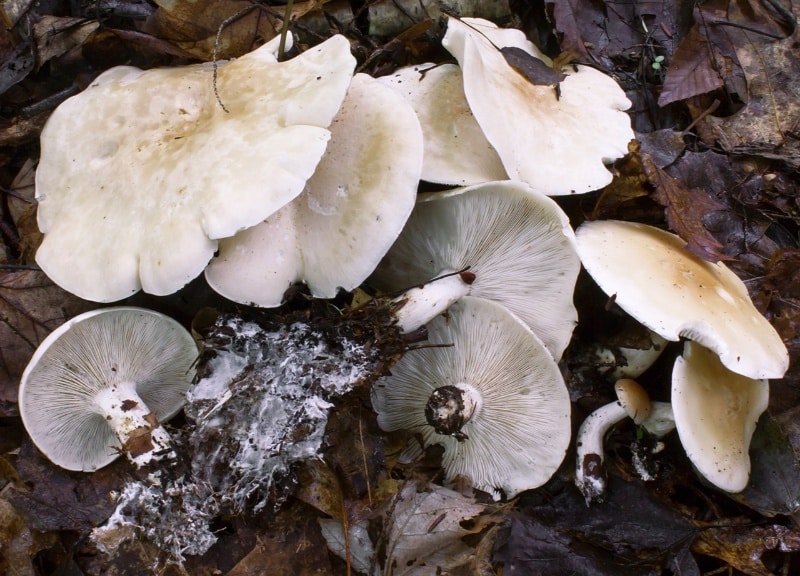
(422, 304)
(589, 475)
(449, 408)
(141, 436)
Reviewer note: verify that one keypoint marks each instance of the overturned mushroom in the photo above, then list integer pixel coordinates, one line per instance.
(556, 135)
(142, 172)
(352, 209)
(500, 241)
(102, 383)
(489, 392)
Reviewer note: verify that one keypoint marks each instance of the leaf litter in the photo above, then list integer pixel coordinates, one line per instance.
(726, 180)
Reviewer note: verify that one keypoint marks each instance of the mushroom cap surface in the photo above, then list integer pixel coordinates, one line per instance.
(93, 352)
(143, 171)
(517, 242)
(351, 211)
(519, 435)
(557, 143)
(679, 295)
(456, 150)
(716, 412)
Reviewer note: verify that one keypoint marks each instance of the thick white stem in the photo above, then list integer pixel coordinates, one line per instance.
(141, 436)
(589, 475)
(422, 304)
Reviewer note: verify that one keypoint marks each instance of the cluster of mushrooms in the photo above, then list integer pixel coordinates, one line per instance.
(262, 174)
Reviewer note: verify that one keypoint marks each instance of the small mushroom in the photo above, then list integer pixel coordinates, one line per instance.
(354, 206)
(488, 391)
(102, 383)
(500, 241)
(716, 412)
(555, 136)
(656, 280)
(456, 151)
(632, 402)
(141, 173)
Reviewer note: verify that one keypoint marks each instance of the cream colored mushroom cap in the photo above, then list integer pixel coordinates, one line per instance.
(94, 351)
(655, 279)
(143, 171)
(716, 412)
(518, 437)
(456, 151)
(557, 144)
(353, 208)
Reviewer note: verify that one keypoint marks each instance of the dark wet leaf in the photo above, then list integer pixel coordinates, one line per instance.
(774, 486)
(55, 36)
(61, 500)
(31, 307)
(16, 65)
(631, 533)
(536, 71)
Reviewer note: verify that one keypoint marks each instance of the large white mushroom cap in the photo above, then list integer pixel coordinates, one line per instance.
(456, 151)
(353, 207)
(516, 242)
(676, 294)
(113, 360)
(519, 431)
(142, 172)
(557, 144)
(716, 412)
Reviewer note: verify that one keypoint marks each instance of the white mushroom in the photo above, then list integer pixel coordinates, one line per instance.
(716, 412)
(456, 151)
(488, 391)
(102, 383)
(557, 136)
(144, 171)
(632, 402)
(353, 207)
(516, 246)
(656, 280)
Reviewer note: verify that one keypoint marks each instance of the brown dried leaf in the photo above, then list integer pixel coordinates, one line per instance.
(193, 24)
(744, 546)
(768, 125)
(691, 71)
(55, 36)
(31, 307)
(685, 210)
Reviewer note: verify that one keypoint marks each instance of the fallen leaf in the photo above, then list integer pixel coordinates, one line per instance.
(692, 71)
(629, 534)
(743, 547)
(685, 209)
(228, 28)
(31, 307)
(768, 125)
(425, 533)
(61, 500)
(774, 486)
(532, 68)
(55, 36)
